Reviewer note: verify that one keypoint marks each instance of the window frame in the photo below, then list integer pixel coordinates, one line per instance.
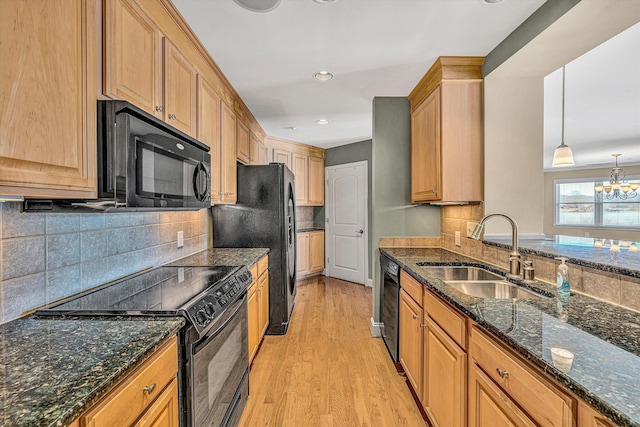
(598, 205)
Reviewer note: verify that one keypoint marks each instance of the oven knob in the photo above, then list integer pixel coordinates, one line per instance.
(209, 309)
(201, 317)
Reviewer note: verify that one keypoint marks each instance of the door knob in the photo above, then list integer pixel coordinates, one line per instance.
(360, 231)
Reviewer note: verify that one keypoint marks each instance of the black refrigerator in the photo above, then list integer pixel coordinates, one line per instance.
(264, 217)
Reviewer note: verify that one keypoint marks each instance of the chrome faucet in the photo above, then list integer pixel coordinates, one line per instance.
(514, 257)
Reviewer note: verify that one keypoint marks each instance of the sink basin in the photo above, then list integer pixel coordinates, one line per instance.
(447, 273)
(494, 289)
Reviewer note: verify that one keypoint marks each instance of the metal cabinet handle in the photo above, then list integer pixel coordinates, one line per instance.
(422, 325)
(149, 388)
(503, 374)
(434, 191)
(159, 108)
(172, 116)
(414, 316)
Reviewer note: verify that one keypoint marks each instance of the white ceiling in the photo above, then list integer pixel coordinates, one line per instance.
(602, 104)
(374, 48)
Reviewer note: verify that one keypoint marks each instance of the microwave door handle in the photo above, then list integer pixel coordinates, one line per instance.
(200, 195)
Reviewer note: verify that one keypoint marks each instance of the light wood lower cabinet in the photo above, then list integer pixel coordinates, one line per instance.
(149, 395)
(588, 417)
(48, 98)
(309, 253)
(410, 339)
(258, 305)
(538, 400)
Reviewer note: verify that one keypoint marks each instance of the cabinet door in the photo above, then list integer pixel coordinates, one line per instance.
(48, 98)
(281, 156)
(588, 417)
(410, 336)
(253, 319)
(316, 181)
(179, 90)
(425, 150)
(209, 130)
(229, 179)
(489, 406)
(316, 251)
(262, 155)
(164, 411)
(444, 378)
(254, 150)
(263, 285)
(299, 162)
(132, 56)
(242, 143)
(302, 254)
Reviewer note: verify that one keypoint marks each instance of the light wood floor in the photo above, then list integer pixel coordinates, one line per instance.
(328, 370)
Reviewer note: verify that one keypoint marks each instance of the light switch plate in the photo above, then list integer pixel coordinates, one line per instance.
(470, 227)
(180, 239)
(457, 238)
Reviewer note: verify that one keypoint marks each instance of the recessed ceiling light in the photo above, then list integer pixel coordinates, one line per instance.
(291, 127)
(491, 1)
(322, 121)
(323, 76)
(325, 1)
(258, 5)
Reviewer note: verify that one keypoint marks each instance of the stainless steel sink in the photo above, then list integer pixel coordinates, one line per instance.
(494, 289)
(447, 273)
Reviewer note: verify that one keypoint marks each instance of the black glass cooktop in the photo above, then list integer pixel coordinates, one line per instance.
(162, 291)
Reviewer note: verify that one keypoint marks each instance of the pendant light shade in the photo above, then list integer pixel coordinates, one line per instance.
(563, 155)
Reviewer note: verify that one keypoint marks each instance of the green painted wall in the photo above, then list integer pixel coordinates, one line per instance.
(351, 153)
(393, 213)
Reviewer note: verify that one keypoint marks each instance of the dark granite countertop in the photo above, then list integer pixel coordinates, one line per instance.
(578, 251)
(604, 338)
(55, 369)
(221, 257)
(306, 230)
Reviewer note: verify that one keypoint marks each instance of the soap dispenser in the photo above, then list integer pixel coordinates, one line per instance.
(562, 281)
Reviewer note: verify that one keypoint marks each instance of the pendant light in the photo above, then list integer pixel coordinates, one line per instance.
(563, 155)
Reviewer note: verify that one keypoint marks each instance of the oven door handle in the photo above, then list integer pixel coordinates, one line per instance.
(209, 335)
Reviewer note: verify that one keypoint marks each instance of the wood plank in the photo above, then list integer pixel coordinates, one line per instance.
(328, 370)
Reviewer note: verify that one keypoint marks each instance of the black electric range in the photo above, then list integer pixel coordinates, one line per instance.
(213, 351)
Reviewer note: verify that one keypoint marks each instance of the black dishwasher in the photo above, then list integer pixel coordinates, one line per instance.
(390, 285)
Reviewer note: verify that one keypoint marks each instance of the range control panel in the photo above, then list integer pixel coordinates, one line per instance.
(217, 298)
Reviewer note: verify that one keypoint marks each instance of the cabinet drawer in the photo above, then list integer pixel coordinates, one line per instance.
(411, 286)
(254, 271)
(263, 264)
(452, 322)
(542, 401)
(129, 400)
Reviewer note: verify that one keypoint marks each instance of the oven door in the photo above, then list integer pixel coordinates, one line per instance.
(220, 363)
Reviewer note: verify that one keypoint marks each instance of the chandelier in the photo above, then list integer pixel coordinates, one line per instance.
(618, 186)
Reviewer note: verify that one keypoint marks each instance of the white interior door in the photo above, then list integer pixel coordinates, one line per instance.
(346, 221)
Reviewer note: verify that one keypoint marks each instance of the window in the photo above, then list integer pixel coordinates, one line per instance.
(576, 205)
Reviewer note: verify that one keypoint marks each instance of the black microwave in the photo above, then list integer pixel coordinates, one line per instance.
(144, 164)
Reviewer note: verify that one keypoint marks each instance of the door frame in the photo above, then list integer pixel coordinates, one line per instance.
(328, 231)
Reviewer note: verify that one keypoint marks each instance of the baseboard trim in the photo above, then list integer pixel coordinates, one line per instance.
(376, 331)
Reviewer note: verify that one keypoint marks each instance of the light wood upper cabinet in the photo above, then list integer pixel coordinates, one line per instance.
(256, 151)
(179, 90)
(242, 143)
(446, 132)
(282, 156)
(132, 56)
(410, 339)
(228, 168)
(209, 131)
(316, 181)
(48, 98)
(300, 169)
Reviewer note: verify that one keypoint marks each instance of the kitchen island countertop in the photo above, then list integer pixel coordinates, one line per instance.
(604, 338)
(53, 370)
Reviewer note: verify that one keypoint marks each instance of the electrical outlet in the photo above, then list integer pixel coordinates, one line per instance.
(457, 238)
(470, 227)
(180, 275)
(180, 239)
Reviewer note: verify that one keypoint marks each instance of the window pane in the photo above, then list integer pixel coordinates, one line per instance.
(621, 214)
(575, 192)
(576, 214)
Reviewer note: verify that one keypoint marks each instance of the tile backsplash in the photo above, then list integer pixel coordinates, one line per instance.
(46, 257)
